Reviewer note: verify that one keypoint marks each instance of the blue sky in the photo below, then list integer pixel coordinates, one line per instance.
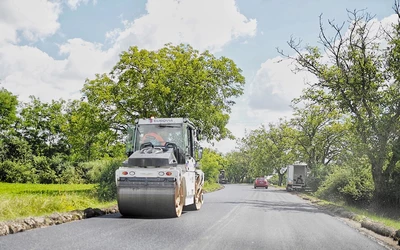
(276, 19)
(48, 48)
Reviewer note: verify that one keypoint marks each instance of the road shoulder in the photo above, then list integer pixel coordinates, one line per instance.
(386, 236)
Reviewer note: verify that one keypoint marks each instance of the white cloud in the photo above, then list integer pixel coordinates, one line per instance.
(74, 4)
(34, 19)
(26, 70)
(246, 119)
(86, 59)
(275, 85)
(206, 24)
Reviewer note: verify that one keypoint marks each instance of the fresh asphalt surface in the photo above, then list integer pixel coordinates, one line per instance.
(236, 217)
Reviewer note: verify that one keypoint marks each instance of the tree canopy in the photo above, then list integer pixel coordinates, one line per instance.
(359, 76)
(8, 109)
(175, 81)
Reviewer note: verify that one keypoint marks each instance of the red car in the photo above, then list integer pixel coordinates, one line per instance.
(261, 182)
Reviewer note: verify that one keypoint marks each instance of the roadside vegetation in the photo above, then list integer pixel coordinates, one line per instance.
(19, 200)
(25, 200)
(386, 218)
(345, 126)
(211, 186)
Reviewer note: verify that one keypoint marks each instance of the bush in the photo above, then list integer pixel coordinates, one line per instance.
(94, 169)
(17, 172)
(318, 175)
(360, 187)
(210, 186)
(353, 185)
(46, 174)
(314, 182)
(58, 163)
(14, 148)
(210, 165)
(275, 180)
(72, 175)
(106, 188)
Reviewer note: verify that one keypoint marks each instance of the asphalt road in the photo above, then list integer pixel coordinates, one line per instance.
(236, 217)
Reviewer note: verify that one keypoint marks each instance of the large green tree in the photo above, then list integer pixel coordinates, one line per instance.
(8, 109)
(237, 167)
(211, 163)
(361, 77)
(174, 81)
(41, 126)
(89, 134)
(320, 134)
(283, 149)
(270, 149)
(257, 145)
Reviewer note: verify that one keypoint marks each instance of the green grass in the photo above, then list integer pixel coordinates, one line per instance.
(362, 213)
(24, 200)
(22, 189)
(278, 187)
(375, 217)
(210, 186)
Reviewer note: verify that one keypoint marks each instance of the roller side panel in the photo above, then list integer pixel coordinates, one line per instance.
(190, 187)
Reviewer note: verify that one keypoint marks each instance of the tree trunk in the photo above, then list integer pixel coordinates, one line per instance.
(380, 182)
(280, 179)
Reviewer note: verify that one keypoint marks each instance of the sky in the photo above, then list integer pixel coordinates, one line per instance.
(49, 47)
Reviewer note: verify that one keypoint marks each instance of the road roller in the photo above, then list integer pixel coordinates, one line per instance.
(161, 176)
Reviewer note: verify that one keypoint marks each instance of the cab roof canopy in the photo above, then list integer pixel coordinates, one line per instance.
(153, 120)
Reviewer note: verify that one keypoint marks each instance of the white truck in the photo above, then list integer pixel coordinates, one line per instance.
(296, 177)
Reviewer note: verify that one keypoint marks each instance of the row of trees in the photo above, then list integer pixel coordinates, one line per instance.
(348, 126)
(46, 142)
(320, 137)
(50, 142)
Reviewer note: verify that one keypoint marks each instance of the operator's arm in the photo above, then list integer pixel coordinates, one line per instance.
(153, 137)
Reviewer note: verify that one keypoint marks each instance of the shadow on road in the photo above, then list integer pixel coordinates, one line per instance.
(269, 190)
(120, 216)
(278, 206)
(281, 202)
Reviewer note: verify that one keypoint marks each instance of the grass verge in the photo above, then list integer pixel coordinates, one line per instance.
(24, 200)
(211, 186)
(361, 213)
(375, 217)
(278, 187)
